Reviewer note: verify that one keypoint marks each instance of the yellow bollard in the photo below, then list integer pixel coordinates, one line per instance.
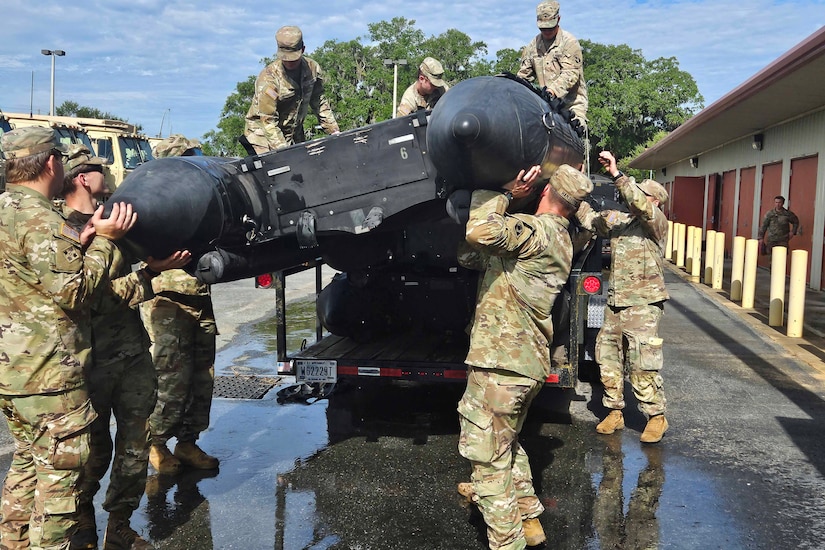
(710, 244)
(696, 267)
(776, 311)
(749, 275)
(718, 261)
(737, 268)
(796, 295)
(669, 245)
(680, 245)
(689, 250)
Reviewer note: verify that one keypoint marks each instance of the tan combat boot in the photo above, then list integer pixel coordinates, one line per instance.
(612, 422)
(533, 532)
(85, 537)
(192, 455)
(163, 461)
(655, 429)
(120, 535)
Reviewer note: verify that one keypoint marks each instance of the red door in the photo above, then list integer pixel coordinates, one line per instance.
(800, 201)
(688, 198)
(747, 184)
(725, 208)
(771, 187)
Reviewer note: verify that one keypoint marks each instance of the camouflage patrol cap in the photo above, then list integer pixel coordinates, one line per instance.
(290, 43)
(654, 189)
(432, 69)
(571, 184)
(174, 146)
(79, 155)
(31, 140)
(547, 14)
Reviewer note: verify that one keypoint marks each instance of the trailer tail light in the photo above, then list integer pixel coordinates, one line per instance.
(592, 284)
(264, 281)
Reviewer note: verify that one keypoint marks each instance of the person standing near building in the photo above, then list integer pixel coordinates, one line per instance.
(181, 324)
(121, 377)
(49, 273)
(553, 60)
(635, 301)
(425, 92)
(526, 260)
(284, 92)
(779, 225)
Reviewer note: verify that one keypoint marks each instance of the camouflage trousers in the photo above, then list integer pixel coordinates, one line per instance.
(51, 445)
(630, 336)
(126, 388)
(183, 351)
(491, 413)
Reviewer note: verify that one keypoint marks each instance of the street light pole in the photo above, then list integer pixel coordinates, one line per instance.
(52, 53)
(395, 63)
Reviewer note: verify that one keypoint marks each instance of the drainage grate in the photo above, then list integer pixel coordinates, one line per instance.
(243, 387)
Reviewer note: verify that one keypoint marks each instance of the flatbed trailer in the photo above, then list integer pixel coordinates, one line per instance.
(434, 356)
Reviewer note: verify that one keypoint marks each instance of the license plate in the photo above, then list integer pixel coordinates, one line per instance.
(316, 371)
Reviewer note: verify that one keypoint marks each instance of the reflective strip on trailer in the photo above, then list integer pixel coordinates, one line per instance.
(351, 370)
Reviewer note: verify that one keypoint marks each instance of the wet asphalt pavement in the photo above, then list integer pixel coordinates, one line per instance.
(375, 467)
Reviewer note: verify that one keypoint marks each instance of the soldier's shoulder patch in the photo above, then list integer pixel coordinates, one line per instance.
(612, 217)
(272, 92)
(69, 232)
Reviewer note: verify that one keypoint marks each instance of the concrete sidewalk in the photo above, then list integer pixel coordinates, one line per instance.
(809, 348)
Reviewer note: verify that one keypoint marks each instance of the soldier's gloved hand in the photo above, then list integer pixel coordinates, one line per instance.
(584, 212)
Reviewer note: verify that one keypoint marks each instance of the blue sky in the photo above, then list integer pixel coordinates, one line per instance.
(175, 62)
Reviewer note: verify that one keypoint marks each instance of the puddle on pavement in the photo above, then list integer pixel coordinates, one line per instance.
(377, 468)
(254, 350)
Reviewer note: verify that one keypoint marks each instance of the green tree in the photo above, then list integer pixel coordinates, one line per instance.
(632, 99)
(73, 109)
(508, 60)
(624, 162)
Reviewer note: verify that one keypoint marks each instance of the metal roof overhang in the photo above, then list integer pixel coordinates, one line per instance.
(788, 88)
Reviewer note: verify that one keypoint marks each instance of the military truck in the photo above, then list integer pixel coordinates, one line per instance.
(384, 205)
(67, 132)
(117, 141)
(120, 143)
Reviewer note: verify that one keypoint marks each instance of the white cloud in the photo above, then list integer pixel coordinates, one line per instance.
(139, 58)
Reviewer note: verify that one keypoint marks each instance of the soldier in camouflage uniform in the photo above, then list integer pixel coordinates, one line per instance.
(176, 145)
(553, 60)
(284, 91)
(526, 260)
(48, 275)
(635, 301)
(121, 378)
(425, 92)
(779, 225)
(181, 325)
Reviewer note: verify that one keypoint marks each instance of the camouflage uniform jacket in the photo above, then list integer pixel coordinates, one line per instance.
(188, 293)
(557, 66)
(116, 326)
(46, 282)
(280, 104)
(527, 260)
(412, 101)
(637, 243)
(775, 225)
